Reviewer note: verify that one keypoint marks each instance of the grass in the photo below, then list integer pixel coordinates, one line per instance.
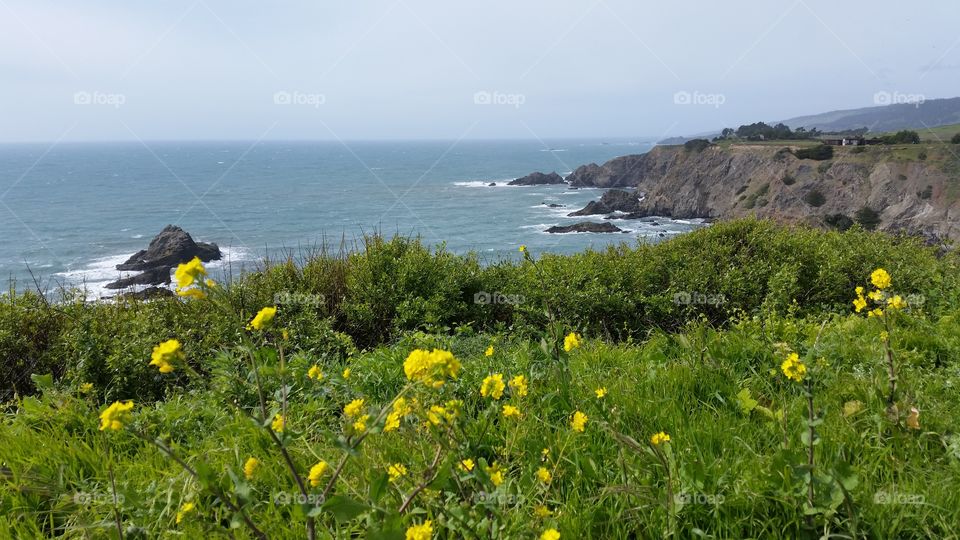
(736, 464)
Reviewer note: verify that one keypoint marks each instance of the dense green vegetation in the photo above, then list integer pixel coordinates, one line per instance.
(688, 337)
(820, 153)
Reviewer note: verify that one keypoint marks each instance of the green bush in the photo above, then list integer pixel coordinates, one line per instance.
(955, 139)
(696, 145)
(901, 137)
(819, 153)
(815, 198)
(867, 217)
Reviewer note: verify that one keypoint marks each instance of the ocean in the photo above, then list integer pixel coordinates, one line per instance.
(70, 212)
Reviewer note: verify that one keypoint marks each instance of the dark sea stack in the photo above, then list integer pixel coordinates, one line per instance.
(585, 226)
(148, 294)
(169, 248)
(538, 179)
(615, 200)
(492, 184)
(154, 276)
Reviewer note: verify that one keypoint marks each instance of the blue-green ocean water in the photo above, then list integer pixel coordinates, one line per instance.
(71, 212)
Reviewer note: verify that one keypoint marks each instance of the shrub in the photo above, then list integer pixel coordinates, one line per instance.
(818, 153)
(955, 139)
(926, 193)
(789, 180)
(696, 145)
(841, 222)
(901, 137)
(814, 198)
(867, 217)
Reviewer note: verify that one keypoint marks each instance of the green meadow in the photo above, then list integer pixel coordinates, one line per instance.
(746, 380)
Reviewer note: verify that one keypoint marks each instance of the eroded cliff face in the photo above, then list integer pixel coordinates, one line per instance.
(914, 189)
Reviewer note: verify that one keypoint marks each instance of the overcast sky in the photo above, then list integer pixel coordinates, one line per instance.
(399, 69)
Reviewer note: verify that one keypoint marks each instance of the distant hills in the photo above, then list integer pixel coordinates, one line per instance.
(926, 114)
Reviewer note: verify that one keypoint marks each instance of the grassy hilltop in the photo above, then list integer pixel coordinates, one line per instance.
(745, 380)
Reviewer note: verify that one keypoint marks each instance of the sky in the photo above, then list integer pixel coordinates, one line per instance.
(430, 69)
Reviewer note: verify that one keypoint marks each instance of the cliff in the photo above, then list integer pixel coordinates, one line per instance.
(913, 189)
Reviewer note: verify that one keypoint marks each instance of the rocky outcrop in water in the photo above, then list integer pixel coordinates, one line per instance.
(615, 200)
(168, 249)
(585, 226)
(538, 179)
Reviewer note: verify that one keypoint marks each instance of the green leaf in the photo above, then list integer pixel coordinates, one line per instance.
(344, 508)
(746, 401)
(378, 484)
(42, 382)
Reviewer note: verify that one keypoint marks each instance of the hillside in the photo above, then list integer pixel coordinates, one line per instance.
(912, 188)
(927, 114)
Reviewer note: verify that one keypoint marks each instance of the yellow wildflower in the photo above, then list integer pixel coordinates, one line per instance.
(600, 392)
(509, 411)
(346, 373)
(250, 467)
(880, 278)
(876, 296)
(859, 290)
(572, 341)
(544, 475)
(431, 367)
(659, 438)
(354, 408)
(317, 472)
(165, 354)
(192, 293)
(184, 510)
(860, 303)
(360, 424)
(579, 421)
(793, 368)
(315, 373)
(496, 474)
(279, 423)
(545, 452)
(187, 273)
(400, 409)
(519, 385)
(116, 415)
(423, 531)
(86, 388)
(489, 351)
(884, 335)
(396, 471)
(466, 465)
(263, 318)
(550, 534)
(493, 386)
(523, 248)
(542, 511)
(896, 302)
(875, 313)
